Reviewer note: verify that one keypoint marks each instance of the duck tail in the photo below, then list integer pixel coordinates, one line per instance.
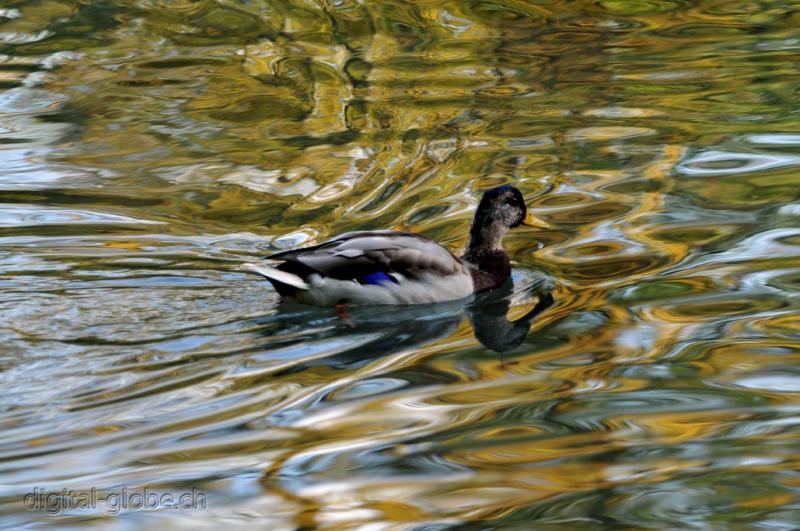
(276, 275)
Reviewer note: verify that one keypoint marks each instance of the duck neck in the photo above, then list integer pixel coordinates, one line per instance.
(484, 238)
(485, 252)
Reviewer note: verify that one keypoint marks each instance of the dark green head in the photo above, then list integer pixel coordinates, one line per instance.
(503, 208)
(503, 205)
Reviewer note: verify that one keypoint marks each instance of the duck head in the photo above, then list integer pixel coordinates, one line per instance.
(500, 209)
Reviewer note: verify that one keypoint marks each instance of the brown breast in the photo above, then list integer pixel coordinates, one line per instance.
(492, 269)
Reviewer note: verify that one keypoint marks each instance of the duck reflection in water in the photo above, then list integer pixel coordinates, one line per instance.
(390, 330)
(490, 323)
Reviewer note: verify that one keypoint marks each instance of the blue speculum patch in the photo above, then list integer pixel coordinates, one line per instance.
(373, 279)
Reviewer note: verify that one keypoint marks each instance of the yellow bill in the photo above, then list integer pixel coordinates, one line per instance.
(533, 221)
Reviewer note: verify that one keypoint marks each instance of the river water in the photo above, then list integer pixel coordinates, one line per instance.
(150, 147)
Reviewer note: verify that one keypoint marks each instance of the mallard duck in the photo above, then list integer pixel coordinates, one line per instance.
(391, 267)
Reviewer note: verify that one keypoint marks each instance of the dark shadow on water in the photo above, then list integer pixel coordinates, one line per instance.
(490, 323)
(411, 327)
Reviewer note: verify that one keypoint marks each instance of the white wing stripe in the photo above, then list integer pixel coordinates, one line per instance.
(276, 274)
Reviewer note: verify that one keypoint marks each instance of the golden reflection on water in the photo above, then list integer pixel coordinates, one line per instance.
(148, 148)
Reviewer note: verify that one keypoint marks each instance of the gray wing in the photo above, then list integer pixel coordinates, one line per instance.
(356, 254)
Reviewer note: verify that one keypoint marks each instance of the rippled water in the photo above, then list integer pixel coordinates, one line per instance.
(149, 147)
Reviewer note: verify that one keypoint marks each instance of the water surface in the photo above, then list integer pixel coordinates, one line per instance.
(149, 147)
